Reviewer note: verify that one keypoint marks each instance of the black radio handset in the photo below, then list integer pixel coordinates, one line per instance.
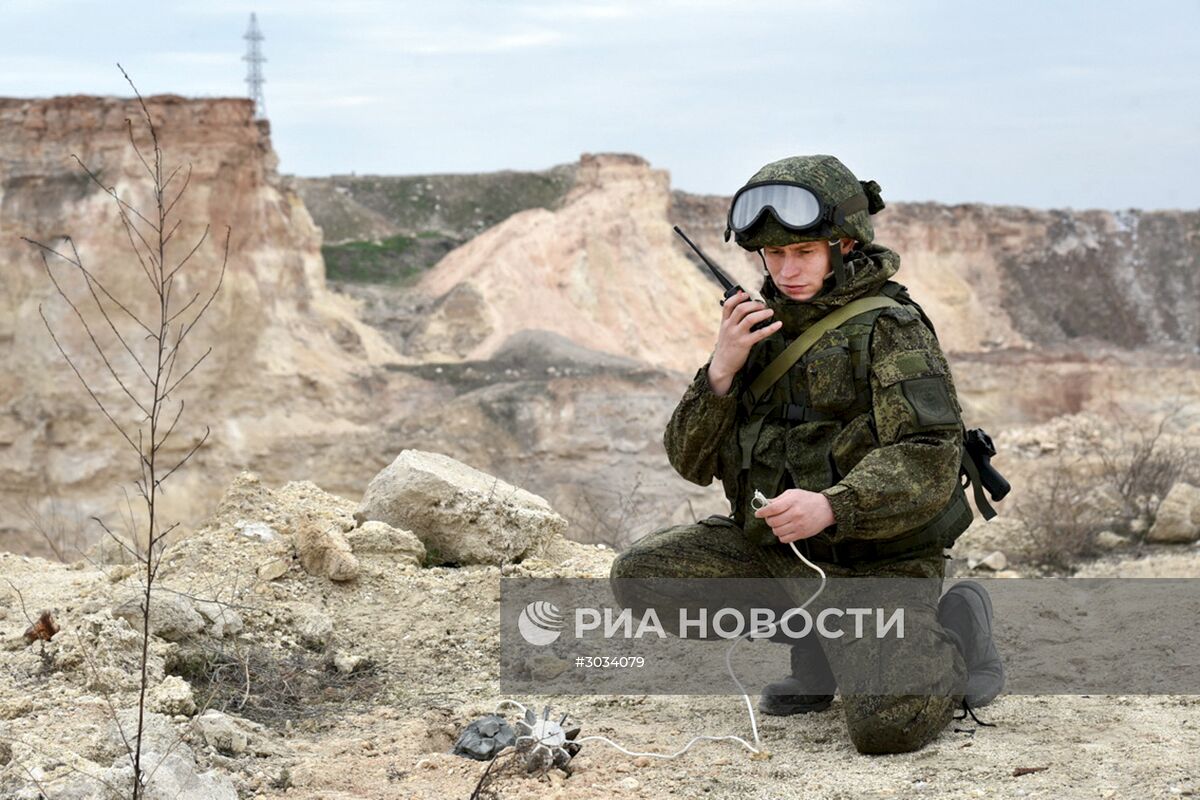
(730, 287)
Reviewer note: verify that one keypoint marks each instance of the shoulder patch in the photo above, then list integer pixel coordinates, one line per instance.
(904, 365)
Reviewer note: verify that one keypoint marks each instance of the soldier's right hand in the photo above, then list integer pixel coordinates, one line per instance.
(734, 339)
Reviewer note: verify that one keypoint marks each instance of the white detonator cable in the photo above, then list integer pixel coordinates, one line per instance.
(756, 503)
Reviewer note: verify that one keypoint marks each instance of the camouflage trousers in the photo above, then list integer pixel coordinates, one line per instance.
(878, 723)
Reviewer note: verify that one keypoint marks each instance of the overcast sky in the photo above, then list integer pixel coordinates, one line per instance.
(1045, 104)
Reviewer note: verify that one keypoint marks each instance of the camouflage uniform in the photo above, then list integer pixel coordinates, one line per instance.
(887, 461)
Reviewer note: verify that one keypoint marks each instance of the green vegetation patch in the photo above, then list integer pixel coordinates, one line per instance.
(388, 261)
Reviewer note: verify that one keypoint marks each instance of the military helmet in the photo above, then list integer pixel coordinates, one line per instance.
(802, 199)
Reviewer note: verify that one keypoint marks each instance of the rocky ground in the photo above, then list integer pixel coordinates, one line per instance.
(300, 652)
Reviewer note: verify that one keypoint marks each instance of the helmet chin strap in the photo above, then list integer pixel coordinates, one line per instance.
(841, 274)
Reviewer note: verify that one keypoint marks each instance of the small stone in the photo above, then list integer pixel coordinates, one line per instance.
(234, 736)
(546, 667)
(256, 530)
(323, 550)
(273, 569)
(314, 626)
(347, 663)
(1107, 540)
(629, 784)
(641, 761)
(173, 696)
(427, 763)
(120, 572)
(222, 620)
(995, 561)
(380, 539)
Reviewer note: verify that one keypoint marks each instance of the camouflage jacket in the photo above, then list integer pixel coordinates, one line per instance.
(885, 457)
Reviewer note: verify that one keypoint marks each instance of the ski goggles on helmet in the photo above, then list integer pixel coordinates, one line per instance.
(795, 206)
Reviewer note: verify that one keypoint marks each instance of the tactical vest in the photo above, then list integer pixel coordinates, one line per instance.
(816, 422)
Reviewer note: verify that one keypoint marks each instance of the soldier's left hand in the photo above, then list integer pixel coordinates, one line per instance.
(797, 514)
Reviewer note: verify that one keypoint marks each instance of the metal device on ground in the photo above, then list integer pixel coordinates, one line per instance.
(550, 735)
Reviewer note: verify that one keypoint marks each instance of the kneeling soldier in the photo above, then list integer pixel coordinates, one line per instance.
(858, 442)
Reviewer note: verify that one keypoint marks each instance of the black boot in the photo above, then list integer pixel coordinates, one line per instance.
(809, 688)
(965, 611)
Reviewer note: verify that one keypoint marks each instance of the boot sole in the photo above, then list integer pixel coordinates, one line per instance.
(778, 709)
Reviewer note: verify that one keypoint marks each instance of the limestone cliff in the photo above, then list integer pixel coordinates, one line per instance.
(284, 348)
(602, 271)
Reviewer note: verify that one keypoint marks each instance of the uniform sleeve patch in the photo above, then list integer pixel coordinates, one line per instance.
(930, 399)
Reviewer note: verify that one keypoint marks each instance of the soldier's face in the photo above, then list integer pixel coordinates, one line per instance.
(800, 269)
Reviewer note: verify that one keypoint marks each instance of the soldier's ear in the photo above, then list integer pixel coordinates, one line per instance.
(848, 245)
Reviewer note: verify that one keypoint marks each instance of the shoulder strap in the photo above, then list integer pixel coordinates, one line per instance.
(900, 292)
(784, 361)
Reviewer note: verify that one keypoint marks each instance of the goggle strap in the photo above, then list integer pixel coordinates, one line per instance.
(851, 206)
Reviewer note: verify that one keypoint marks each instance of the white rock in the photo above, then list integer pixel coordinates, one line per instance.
(313, 626)
(462, 515)
(995, 561)
(273, 569)
(1178, 518)
(323, 550)
(348, 662)
(377, 538)
(172, 616)
(173, 696)
(222, 620)
(234, 736)
(256, 530)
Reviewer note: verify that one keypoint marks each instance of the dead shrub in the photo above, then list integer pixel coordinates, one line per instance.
(274, 687)
(1113, 482)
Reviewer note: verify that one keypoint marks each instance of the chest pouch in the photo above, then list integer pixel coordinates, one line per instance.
(829, 373)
